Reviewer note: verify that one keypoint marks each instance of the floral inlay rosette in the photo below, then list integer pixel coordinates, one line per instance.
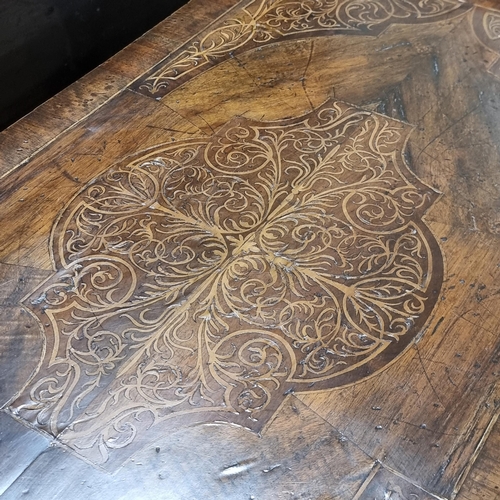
(205, 280)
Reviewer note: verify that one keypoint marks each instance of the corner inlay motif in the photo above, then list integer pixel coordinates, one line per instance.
(205, 280)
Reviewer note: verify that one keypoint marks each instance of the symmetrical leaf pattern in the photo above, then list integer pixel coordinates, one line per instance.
(206, 279)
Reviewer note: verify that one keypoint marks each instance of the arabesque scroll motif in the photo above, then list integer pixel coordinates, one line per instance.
(206, 279)
(267, 21)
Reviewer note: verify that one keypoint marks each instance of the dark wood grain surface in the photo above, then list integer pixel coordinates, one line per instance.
(260, 260)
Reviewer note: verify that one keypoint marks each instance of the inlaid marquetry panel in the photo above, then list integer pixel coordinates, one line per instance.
(229, 282)
(210, 278)
(261, 22)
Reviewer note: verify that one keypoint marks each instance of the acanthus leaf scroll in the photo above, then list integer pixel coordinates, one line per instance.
(204, 280)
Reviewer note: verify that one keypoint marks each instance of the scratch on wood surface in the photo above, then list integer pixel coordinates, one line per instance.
(462, 317)
(488, 310)
(303, 79)
(448, 376)
(71, 177)
(351, 441)
(167, 129)
(210, 126)
(446, 129)
(198, 131)
(240, 64)
(445, 96)
(438, 324)
(427, 376)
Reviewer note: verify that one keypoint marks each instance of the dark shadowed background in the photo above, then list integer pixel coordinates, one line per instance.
(47, 44)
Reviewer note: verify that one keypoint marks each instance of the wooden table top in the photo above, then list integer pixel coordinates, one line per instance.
(256, 255)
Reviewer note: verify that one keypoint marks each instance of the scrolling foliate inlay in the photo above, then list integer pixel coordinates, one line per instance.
(267, 21)
(203, 281)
